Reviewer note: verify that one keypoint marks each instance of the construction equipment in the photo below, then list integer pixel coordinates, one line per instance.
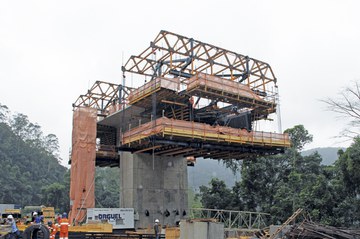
(48, 213)
(16, 213)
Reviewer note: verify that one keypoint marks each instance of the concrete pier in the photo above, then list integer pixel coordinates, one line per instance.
(156, 187)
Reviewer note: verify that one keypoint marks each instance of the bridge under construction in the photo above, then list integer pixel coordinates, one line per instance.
(192, 100)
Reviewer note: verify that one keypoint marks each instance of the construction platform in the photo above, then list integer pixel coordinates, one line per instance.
(172, 137)
(192, 100)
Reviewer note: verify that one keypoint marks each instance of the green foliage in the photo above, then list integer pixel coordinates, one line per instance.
(30, 172)
(283, 183)
(217, 196)
(349, 166)
(107, 187)
(299, 136)
(193, 200)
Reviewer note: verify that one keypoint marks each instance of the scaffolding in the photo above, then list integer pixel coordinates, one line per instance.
(201, 101)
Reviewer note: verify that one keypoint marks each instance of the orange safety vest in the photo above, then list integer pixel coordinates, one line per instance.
(64, 225)
(53, 230)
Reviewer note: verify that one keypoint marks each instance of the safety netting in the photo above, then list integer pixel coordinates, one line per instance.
(83, 157)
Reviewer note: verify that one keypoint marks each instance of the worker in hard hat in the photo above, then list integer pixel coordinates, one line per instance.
(53, 229)
(33, 217)
(14, 230)
(157, 229)
(38, 219)
(64, 226)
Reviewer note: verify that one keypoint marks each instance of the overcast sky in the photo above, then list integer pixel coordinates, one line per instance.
(52, 51)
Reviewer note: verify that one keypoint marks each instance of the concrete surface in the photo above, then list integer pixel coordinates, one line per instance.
(201, 230)
(155, 185)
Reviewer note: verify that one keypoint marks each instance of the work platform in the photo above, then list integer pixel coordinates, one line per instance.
(187, 138)
(228, 91)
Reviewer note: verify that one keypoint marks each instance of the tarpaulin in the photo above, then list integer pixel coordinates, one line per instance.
(83, 157)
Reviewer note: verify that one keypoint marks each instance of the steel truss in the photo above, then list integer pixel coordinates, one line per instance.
(102, 95)
(233, 219)
(173, 54)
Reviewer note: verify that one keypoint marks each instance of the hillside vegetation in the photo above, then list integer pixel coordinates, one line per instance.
(328, 154)
(31, 173)
(281, 184)
(207, 169)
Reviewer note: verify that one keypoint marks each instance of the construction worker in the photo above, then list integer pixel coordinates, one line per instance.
(157, 229)
(58, 218)
(38, 219)
(64, 227)
(15, 233)
(53, 229)
(34, 216)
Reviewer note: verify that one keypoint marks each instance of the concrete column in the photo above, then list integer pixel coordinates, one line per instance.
(154, 185)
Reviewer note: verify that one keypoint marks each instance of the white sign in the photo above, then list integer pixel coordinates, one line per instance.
(120, 218)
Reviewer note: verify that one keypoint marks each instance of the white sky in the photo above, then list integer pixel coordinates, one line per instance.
(53, 51)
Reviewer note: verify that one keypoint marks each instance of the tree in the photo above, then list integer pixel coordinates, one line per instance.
(30, 173)
(347, 104)
(217, 196)
(299, 136)
(107, 187)
(51, 145)
(4, 113)
(53, 195)
(260, 180)
(348, 166)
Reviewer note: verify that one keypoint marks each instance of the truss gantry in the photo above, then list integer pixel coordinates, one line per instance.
(102, 95)
(173, 54)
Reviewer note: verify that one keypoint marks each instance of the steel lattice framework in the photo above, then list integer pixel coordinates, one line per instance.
(173, 54)
(102, 95)
(233, 219)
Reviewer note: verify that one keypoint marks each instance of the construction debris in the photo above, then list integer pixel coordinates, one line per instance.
(311, 230)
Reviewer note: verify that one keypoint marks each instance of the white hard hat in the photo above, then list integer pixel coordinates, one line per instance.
(156, 220)
(10, 217)
(35, 214)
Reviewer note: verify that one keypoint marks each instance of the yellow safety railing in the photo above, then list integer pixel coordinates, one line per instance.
(205, 132)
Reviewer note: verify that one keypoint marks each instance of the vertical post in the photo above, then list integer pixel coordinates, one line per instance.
(229, 226)
(154, 108)
(250, 225)
(192, 55)
(191, 109)
(121, 96)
